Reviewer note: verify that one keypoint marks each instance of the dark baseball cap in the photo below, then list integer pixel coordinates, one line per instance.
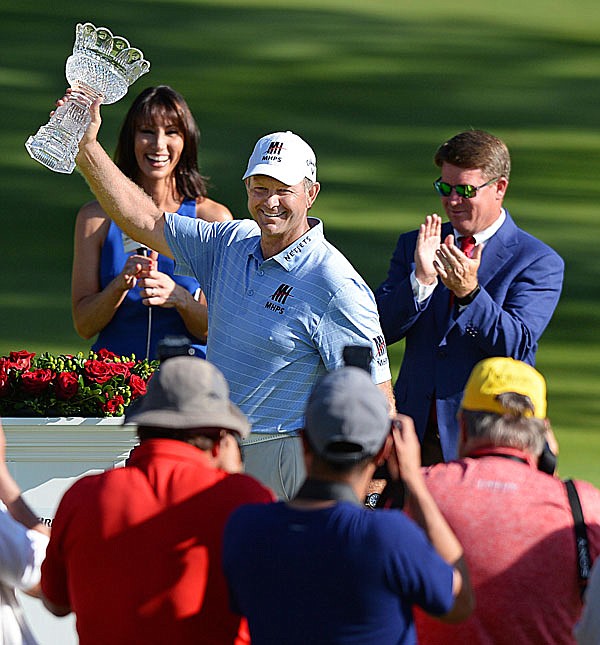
(347, 417)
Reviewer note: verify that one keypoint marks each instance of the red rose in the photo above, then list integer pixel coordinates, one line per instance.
(105, 354)
(98, 371)
(37, 381)
(4, 380)
(21, 360)
(112, 405)
(66, 385)
(137, 385)
(119, 368)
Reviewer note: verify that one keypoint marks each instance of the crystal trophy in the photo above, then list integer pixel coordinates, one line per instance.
(102, 65)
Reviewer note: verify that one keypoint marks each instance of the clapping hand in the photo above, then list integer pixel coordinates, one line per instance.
(455, 269)
(428, 242)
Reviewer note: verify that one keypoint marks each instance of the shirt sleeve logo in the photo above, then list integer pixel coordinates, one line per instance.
(380, 349)
(381, 357)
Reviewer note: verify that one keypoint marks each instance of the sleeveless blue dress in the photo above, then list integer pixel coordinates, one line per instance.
(127, 332)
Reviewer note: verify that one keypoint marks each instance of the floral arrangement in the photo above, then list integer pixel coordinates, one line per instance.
(99, 385)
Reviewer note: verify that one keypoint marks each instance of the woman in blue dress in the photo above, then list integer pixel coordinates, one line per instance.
(128, 295)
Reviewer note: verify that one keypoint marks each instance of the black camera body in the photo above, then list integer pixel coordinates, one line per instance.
(361, 356)
(358, 356)
(170, 346)
(547, 461)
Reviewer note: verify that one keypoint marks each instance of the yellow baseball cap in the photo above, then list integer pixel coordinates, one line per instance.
(498, 375)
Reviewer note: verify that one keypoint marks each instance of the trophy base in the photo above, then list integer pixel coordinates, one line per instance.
(51, 151)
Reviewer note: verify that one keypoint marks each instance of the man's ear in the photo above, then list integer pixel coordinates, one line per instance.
(216, 448)
(312, 193)
(501, 187)
(386, 450)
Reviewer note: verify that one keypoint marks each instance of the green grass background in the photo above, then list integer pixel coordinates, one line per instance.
(374, 87)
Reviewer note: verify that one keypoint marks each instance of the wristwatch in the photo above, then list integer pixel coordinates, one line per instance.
(371, 500)
(468, 299)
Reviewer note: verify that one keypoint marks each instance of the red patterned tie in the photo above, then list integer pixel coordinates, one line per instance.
(467, 244)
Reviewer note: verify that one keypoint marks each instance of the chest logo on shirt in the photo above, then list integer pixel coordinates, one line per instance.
(280, 295)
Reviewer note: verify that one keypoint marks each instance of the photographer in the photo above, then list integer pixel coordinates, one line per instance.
(135, 552)
(349, 574)
(513, 519)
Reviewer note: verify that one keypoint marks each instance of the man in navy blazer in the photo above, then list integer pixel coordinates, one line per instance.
(458, 307)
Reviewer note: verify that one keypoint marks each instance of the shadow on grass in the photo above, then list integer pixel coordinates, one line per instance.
(373, 93)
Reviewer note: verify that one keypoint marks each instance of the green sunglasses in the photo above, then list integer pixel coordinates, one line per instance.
(462, 190)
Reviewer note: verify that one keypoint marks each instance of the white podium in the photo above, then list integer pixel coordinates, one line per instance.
(45, 456)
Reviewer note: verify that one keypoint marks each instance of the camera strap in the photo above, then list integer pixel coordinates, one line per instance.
(327, 490)
(582, 546)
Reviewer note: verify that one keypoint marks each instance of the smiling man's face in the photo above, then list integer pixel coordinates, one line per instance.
(470, 216)
(281, 211)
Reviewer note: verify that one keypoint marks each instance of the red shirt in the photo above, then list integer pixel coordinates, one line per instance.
(516, 527)
(136, 551)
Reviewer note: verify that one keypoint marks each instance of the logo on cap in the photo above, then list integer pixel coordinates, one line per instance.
(275, 148)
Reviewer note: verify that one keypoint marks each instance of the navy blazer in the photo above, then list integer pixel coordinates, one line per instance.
(521, 280)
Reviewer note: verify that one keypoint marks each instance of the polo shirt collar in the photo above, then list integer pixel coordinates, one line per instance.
(174, 448)
(297, 251)
(502, 451)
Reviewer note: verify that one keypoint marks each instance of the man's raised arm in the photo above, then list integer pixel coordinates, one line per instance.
(123, 200)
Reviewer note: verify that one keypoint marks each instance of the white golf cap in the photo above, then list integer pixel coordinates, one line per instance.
(283, 156)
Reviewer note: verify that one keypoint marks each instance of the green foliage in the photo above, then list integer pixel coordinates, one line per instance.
(375, 87)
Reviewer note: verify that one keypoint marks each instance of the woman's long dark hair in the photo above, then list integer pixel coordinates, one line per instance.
(163, 103)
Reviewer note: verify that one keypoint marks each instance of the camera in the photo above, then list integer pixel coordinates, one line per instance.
(361, 356)
(170, 346)
(358, 356)
(547, 461)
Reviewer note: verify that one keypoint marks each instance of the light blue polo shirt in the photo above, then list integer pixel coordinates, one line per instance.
(276, 325)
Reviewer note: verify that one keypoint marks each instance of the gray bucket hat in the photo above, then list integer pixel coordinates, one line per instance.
(188, 392)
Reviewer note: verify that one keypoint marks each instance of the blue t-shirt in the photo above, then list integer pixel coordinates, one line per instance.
(127, 332)
(276, 325)
(343, 574)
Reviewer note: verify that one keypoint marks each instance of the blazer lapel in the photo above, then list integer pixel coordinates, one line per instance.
(498, 251)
